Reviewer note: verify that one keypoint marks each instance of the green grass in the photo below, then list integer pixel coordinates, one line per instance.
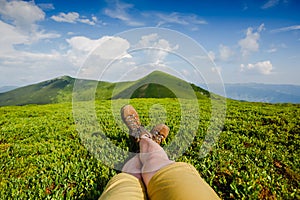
(256, 157)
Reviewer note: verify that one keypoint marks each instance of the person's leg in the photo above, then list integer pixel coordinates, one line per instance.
(166, 179)
(179, 181)
(126, 185)
(133, 167)
(153, 158)
(129, 184)
(163, 178)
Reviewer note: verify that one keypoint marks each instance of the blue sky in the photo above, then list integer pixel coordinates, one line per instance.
(249, 41)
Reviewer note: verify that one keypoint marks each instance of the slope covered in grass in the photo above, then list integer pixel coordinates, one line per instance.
(256, 156)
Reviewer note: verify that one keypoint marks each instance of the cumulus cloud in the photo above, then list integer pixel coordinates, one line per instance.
(250, 43)
(23, 15)
(263, 67)
(90, 54)
(156, 48)
(73, 17)
(19, 27)
(119, 10)
(70, 17)
(106, 57)
(107, 47)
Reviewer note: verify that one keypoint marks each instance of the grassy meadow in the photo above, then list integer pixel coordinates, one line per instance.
(256, 156)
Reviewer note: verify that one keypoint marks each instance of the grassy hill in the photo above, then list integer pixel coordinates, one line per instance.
(161, 85)
(155, 85)
(40, 93)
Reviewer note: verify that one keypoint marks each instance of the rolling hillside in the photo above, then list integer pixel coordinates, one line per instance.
(155, 85)
(40, 93)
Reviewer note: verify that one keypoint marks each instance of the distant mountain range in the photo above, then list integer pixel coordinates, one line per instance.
(270, 93)
(155, 85)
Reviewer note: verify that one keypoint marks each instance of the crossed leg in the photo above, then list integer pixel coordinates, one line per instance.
(151, 174)
(153, 158)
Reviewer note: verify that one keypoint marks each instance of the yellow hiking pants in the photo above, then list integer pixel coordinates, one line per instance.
(173, 182)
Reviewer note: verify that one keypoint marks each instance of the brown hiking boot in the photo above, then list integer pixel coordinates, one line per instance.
(131, 118)
(159, 133)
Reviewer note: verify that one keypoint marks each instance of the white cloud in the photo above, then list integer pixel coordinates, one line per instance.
(22, 14)
(23, 67)
(261, 28)
(19, 29)
(73, 17)
(178, 18)
(17, 62)
(124, 12)
(270, 4)
(70, 17)
(106, 57)
(32, 66)
(20, 21)
(120, 10)
(107, 47)
(264, 67)
(250, 43)
(156, 49)
(46, 6)
(94, 18)
(87, 21)
(288, 28)
(10, 37)
(225, 52)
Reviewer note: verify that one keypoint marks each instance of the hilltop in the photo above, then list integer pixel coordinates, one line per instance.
(154, 85)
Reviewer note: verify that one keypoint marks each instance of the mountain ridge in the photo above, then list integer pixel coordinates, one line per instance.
(154, 85)
(60, 89)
